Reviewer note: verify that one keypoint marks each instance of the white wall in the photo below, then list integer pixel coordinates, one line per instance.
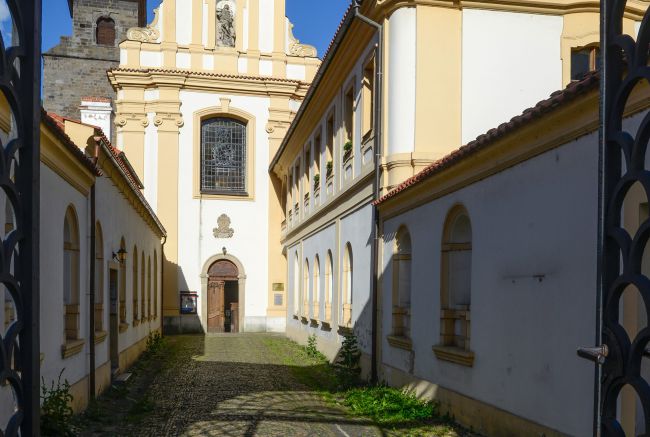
(118, 219)
(510, 62)
(537, 218)
(266, 28)
(402, 46)
(198, 218)
(353, 227)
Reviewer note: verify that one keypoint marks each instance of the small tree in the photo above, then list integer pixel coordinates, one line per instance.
(56, 413)
(347, 364)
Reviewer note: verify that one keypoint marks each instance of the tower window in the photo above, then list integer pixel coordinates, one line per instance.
(105, 31)
(584, 60)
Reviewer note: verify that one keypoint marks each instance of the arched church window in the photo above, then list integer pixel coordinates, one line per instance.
(99, 278)
(71, 274)
(402, 284)
(135, 286)
(456, 288)
(347, 287)
(223, 156)
(105, 33)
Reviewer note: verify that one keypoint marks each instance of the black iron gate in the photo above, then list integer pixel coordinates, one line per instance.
(20, 78)
(623, 164)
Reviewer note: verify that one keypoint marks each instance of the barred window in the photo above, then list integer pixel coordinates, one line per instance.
(223, 156)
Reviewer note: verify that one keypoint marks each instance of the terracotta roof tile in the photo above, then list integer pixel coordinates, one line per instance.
(96, 99)
(556, 100)
(56, 124)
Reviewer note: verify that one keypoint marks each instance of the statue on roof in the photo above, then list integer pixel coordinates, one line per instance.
(225, 27)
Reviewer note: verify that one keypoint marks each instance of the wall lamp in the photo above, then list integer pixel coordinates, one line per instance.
(120, 256)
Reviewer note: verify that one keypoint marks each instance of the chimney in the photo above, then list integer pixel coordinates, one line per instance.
(97, 111)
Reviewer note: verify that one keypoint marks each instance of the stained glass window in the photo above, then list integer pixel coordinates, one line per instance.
(223, 156)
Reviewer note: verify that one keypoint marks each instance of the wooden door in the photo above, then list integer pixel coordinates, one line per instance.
(216, 316)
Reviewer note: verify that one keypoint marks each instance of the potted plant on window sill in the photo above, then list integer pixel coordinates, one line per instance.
(347, 150)
(330, 170)
(316, 181)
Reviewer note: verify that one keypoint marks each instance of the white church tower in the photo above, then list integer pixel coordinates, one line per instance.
(205, 94)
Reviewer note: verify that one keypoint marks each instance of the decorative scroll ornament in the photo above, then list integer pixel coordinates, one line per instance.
(226, 32)
(162, 117)
(223, 229)
(297, 49)
(125, 118)
(145, 34)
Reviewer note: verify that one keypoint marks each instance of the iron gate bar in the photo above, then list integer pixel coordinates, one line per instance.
(20, 79)
(622, 160)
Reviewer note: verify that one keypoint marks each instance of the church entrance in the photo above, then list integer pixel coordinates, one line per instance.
(223, 297)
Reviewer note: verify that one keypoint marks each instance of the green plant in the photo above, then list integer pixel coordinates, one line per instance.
(347, 364)
(316, 181)
(154, 342)
(387, 405)
(311, 348)
(56, 413)
(330, 168)
(347, 147)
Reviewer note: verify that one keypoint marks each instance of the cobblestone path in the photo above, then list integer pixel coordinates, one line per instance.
(238, 385)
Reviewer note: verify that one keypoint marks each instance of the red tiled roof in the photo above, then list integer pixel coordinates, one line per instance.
(556, 100)
(56, 124)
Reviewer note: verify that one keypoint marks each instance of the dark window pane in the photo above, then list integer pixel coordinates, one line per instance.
(580, 64)
(223, 156)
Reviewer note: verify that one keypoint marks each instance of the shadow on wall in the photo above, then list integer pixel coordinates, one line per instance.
(180, 323)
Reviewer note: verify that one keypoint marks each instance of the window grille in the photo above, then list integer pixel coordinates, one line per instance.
(223, 156)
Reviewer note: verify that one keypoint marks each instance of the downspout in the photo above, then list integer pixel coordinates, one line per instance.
(92, 285)
(378, 119)
(91, 314)
(162, 282)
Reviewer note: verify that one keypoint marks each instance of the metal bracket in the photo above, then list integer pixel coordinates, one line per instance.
(596, 354)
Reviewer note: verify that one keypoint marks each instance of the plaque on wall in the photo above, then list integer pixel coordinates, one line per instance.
(278, 286)
(189, 302)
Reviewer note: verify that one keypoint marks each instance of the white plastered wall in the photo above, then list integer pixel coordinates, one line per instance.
(535, 220)
(198, 218)
(511, 61)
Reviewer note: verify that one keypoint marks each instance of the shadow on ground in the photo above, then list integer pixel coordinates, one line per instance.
(227, 385)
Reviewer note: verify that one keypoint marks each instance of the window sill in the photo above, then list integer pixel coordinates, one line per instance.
(71, 348)
(304, 319)
(400, 342)
(100, 336)
(454, 355)
(345, 330)
(221, 196)
(313, 322)
(123, 327)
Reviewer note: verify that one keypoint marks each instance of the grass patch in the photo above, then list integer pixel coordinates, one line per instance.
(388, 406)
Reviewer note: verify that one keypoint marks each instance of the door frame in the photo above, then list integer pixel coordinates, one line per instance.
(241, 280)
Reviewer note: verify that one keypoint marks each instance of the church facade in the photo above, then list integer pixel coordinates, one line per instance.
(205, 94)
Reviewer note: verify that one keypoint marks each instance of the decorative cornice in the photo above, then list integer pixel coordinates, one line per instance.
(300, 50)
(145, 34)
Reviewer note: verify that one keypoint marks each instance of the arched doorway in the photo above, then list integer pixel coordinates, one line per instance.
(223, 282)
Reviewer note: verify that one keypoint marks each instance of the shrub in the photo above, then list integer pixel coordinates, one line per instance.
(387, 405)
(347, 147)
(56, 413)
(154, 342)
(347, 364)
(311, 348)
(330, 168)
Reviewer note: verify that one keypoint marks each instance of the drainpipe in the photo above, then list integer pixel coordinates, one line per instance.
(92, 285)
(91, 314)
(378, 119)
(162, 282)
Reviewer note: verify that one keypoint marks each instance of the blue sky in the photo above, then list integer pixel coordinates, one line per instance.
(315, 20)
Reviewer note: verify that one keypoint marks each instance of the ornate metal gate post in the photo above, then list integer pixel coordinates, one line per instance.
(20, 78)
(623, 157)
